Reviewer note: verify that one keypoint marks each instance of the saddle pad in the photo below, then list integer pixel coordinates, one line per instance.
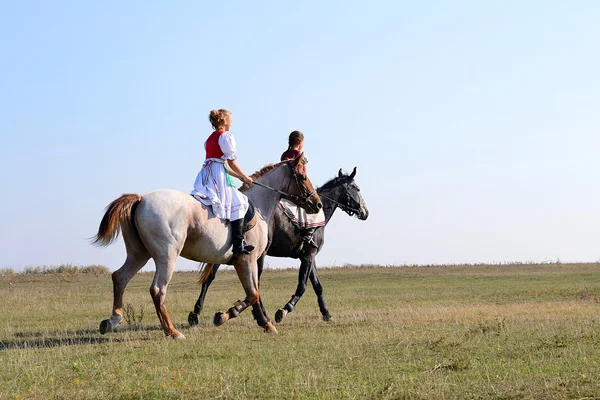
(299, 217)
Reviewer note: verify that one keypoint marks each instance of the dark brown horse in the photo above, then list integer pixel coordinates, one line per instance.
(342, 192)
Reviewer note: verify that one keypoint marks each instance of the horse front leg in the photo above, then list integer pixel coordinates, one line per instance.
(120, 279)
(247, 272)
(306, 262)
(193, 316)
(221, 317)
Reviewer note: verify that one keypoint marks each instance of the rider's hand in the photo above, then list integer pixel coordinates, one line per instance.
(248, 180)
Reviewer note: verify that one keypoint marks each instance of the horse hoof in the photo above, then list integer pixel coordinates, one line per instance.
(269, 328)
(193, 320)
(220, 318)
(280, 314)
(106, 326)
(327, 317)
(177, 335)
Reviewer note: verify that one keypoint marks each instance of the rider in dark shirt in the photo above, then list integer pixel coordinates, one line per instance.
(295, 144)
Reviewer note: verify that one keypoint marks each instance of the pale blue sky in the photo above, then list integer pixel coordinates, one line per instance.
(474, 125)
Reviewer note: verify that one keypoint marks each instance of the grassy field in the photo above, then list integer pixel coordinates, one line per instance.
(453, 332)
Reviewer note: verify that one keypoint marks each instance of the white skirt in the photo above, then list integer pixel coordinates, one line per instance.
(213, 188)
(299, 217)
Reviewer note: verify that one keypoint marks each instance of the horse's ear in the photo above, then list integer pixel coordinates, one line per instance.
(296, 160)
(353, 174)
(340, 173)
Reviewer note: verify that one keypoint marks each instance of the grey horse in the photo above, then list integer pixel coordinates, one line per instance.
(342, 192)
(166, 224)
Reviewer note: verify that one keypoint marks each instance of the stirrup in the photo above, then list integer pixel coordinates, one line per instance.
(245, 248)
(310, 241)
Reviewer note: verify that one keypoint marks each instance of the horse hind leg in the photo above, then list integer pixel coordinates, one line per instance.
(120, 278)
(158, 292)
(193, 320)
(318, 288)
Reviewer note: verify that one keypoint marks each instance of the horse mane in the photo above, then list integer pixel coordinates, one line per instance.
(332, 183)
(261, 172)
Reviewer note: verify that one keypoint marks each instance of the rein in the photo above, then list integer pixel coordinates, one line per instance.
(344, 207)
(302, 199)
(299, 198)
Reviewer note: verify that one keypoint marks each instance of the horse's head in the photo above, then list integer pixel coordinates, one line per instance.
(345, 194)
(289, 179)
(306, 196)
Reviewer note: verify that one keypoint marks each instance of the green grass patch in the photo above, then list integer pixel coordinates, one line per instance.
(442, 332)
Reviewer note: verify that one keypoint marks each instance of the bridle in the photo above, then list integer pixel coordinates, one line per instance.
(345, 207)
(302, 199)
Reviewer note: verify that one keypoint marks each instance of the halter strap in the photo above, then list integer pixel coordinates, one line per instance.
(342, 206)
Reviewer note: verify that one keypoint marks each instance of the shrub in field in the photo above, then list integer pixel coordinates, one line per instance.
(64, 269)
(7, 272)
(132, 318)
(67, 269)
(33, 269)
(96, 270)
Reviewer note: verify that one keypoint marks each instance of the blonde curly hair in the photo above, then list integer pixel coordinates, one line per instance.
(219, 118)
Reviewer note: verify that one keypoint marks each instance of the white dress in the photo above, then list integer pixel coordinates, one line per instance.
(214, 187)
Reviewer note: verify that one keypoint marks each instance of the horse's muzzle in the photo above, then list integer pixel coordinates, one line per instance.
(313, 205)
(363, 215)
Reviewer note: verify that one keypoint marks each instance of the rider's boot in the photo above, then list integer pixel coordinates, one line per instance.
(307, 236)
(239, 244)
